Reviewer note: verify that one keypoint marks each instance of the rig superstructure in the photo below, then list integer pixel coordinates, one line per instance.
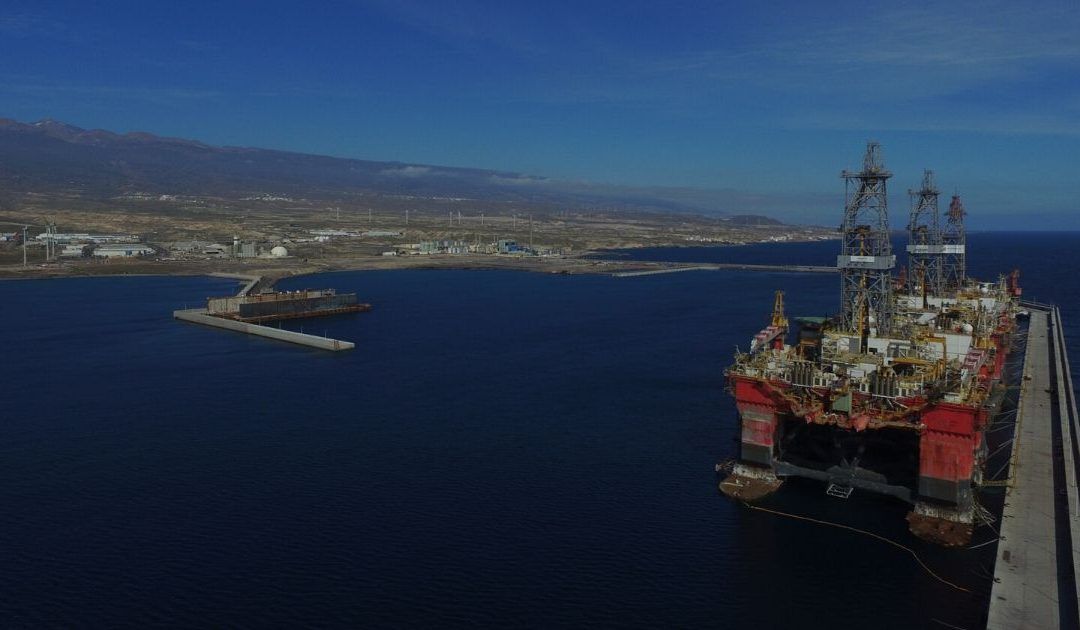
(894, 393)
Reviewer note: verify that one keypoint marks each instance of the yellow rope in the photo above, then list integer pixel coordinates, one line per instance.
(863, 531)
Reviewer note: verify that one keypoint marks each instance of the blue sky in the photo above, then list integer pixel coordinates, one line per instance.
(769, 99)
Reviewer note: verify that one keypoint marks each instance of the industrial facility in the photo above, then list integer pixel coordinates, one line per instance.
(894, 393)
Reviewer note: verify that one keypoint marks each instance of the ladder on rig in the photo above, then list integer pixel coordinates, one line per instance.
(838, 491)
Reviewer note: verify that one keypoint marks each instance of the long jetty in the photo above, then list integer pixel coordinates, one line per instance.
(1038, 556)
(202, 316)
(671, 268)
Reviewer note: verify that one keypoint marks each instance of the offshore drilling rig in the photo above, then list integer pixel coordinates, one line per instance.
(894, 393)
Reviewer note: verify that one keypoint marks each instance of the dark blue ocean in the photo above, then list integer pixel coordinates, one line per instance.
(501, 449)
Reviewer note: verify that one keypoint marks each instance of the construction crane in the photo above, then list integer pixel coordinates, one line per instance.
(772, 336)
(779, 320)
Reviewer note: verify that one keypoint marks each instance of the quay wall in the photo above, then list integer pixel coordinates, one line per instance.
(727, 266)
(199, 316)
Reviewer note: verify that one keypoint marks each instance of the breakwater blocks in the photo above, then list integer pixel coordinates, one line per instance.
(200, 316)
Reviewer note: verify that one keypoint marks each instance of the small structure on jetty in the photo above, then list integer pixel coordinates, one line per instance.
(277, 305)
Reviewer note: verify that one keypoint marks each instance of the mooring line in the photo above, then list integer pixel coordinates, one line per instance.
(947, 625)
(871, 534)
(983, 544)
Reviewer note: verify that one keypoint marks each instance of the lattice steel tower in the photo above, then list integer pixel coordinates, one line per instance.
(866, 259)
(953, 246)
(924, 238)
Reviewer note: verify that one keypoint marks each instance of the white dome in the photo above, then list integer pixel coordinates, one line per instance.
(279, 252)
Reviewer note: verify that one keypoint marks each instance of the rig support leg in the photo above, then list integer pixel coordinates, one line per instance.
(945, 513)
(946, 526)
(750, 483)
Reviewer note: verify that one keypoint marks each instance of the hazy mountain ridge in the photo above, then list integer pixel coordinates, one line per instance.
(51, 156)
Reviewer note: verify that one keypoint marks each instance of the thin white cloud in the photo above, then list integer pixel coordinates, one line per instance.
(518, 180)
(40, 93)
(465, 23)
(29, 24)
(408, 171)
(1007, 124)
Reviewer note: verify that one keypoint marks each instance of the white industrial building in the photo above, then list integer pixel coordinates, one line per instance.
(123, 250)
(60, 237)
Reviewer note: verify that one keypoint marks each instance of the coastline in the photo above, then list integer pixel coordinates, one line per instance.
(276, 269)
(277, 272)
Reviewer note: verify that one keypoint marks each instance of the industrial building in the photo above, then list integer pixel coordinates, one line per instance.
(187, 247)
(240, 249)
(123, 250)
(443, 247)
(60, 237)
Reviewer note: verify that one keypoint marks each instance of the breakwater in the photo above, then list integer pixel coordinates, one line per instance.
(728, 267)
(199, 316)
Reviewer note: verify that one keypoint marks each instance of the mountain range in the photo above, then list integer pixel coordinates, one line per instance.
(49, 156)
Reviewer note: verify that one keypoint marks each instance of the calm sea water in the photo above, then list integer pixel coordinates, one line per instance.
(501, 448)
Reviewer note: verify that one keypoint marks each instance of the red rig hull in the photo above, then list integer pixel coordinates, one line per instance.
(931, 457)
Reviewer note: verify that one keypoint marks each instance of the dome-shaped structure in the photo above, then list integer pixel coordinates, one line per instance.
(279, 252)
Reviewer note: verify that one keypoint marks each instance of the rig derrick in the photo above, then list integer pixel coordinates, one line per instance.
(924, 239)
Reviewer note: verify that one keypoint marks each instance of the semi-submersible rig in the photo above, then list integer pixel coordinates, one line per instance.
(893, 394)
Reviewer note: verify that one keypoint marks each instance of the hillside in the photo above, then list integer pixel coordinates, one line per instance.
(50, 155)
(52, 158)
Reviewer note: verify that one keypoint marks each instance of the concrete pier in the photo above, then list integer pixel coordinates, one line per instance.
(199, 316)
(726, 266)
(1037, 560)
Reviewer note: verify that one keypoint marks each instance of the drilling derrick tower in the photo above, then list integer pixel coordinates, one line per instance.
(866, 259)
(924, 239)
(953, 247)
